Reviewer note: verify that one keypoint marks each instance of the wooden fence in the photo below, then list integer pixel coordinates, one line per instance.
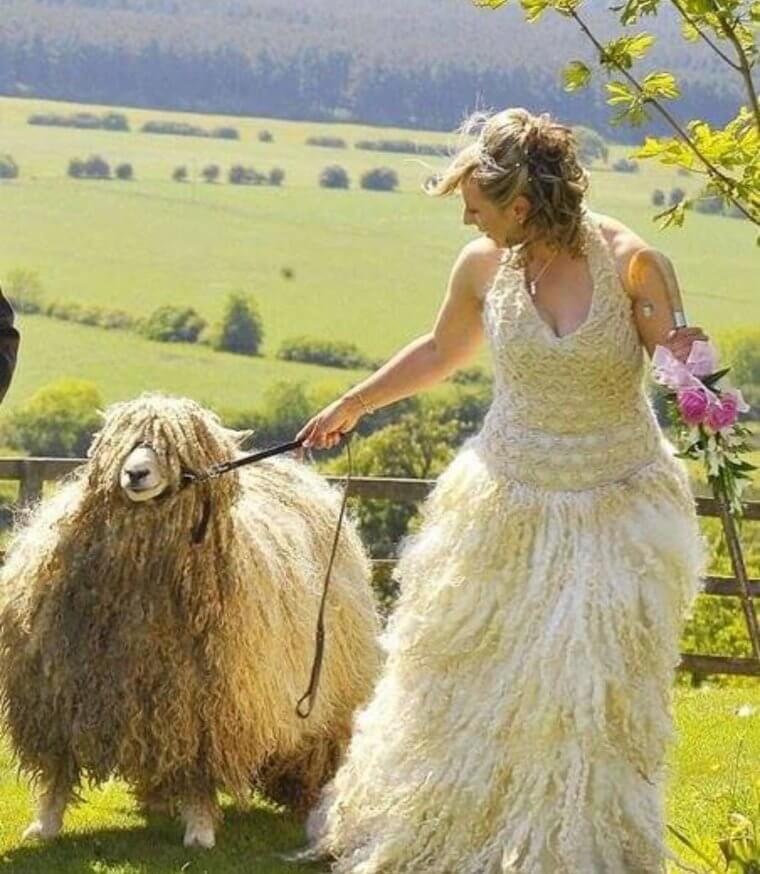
(33, 473)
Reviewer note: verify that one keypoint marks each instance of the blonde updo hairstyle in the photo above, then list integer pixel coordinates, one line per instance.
(514, 153)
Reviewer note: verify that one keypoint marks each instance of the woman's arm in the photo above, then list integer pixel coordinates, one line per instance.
(651, 307)
(425, 361)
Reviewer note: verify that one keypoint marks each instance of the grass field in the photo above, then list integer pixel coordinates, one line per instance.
(712, 772)
(368, 267)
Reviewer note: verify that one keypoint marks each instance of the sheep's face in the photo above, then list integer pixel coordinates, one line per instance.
(143, 476)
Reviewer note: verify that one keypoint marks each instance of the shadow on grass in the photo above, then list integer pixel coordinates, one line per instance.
(247, 841)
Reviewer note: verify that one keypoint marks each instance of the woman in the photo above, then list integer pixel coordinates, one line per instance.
(523, 714)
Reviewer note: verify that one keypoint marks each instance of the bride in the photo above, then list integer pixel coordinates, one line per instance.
(523, 714)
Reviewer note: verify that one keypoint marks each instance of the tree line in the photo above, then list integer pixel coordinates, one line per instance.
(416, 67)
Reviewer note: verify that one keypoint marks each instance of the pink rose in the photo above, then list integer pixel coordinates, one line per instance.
(692, 402)
(724, 412)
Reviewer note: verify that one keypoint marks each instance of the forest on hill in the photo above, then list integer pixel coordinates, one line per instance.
(420, 64)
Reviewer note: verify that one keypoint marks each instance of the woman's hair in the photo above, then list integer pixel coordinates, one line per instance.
(516, 152)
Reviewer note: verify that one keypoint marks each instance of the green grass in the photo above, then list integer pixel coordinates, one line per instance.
(368, 267)
(710, 767)
(123, 365)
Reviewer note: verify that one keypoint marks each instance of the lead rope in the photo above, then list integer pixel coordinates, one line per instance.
(306, 701)
(199, 534)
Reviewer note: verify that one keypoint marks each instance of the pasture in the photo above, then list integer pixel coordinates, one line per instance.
(710, 775)
(368, 267)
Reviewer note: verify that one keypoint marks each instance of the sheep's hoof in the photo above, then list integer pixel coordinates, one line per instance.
(42, 830)
(200, 836)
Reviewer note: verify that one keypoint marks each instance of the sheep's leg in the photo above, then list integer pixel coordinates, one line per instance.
(51, 805)
(200, 816)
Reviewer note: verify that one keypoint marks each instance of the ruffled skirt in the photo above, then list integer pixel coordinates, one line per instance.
(523, 715)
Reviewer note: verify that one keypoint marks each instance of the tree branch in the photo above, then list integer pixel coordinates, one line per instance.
(714, 46)
(744, 66)
(714, 171)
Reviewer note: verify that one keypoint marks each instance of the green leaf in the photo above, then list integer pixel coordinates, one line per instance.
(754, 12)
(712, 378)
(689, 32)
(619, 93)
(640, 44)
(633, 9)
(534, 9)
(623, 51)
(661, 84)
(576, 76)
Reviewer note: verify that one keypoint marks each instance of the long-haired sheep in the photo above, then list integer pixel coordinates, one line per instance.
(128, 649)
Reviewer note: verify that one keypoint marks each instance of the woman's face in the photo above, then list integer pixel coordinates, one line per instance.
(501, 224)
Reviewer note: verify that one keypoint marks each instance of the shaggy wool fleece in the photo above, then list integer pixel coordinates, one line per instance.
(126, 649)
(522, 719)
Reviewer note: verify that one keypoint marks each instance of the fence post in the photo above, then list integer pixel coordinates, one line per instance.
(31, 483)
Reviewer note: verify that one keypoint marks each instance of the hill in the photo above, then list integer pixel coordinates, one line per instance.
(417, 65)
(364, 266)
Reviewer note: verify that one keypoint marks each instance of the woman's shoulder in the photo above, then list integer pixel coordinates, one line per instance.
(623, 243)
(479, 261)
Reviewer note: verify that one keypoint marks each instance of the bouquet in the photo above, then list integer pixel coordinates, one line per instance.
(705, 409)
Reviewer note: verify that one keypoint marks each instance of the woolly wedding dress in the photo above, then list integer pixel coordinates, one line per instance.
(523, 714)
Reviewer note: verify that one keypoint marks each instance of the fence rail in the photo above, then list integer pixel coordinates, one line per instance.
(32, 474)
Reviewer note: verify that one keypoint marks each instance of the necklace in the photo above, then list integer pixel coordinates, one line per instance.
(532, 283)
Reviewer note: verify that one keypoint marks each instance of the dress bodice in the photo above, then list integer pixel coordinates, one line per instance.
(568, 412)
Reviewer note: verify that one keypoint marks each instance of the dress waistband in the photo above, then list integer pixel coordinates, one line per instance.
(569, 461)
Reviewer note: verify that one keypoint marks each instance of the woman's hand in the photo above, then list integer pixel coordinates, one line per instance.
(679, 341)
(324, 430)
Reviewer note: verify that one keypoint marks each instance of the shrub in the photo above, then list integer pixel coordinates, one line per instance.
(733, 211)
(740, 348)
(24, 291)
(66, 311)
(276, 176)
(179, 174)
(211, 173)
(76, 168)
(125, 172)
(265, 136)
(623, 165)
(115, 121)
(327, 142)
(334, 176)
(8, 167)
(116, 320)
(172, 324)
(676, 196)
(240, 329)
(474, 375)
(709, 205)
(94, 167)
(658, 197)
(403, 147)
(226, 133)
(58, 420)
(173, 128)
(591, 145)
(380, 179)
(240, 175)
(329, 353)
(70, 311)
